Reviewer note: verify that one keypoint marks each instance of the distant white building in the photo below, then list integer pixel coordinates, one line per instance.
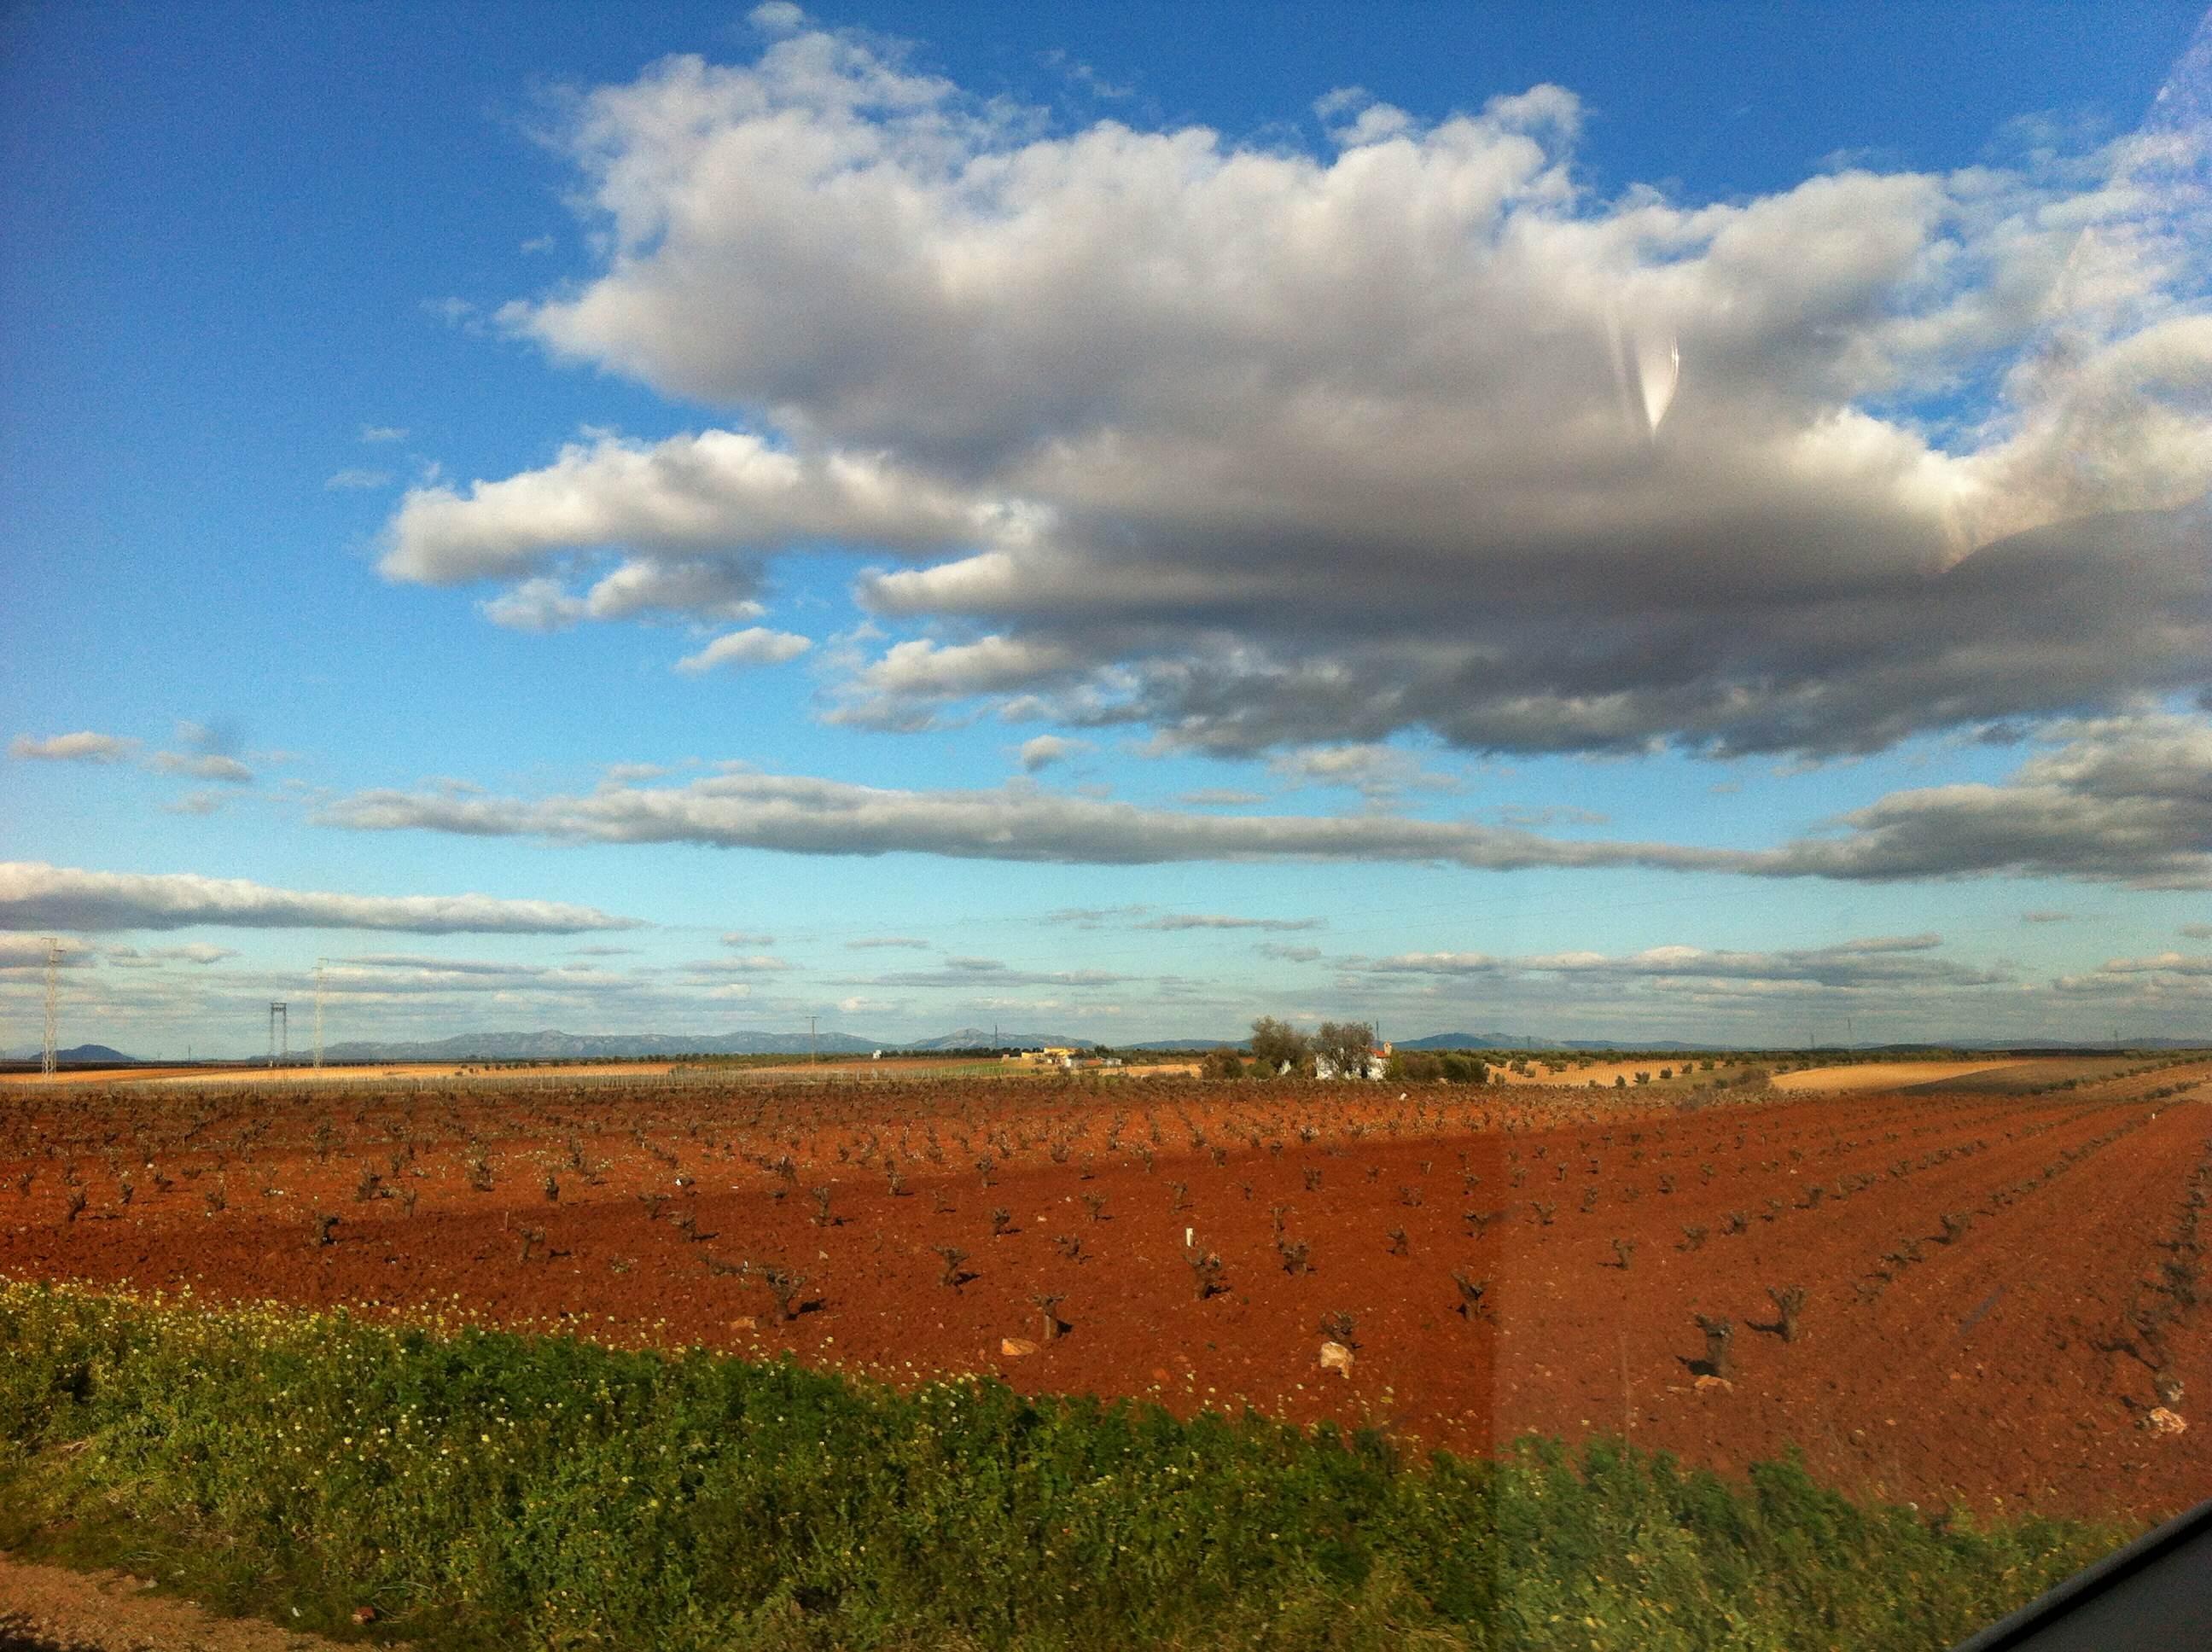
(1378, 1062)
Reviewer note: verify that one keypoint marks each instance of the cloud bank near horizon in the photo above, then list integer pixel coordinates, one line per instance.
(36, 896)
(2123, 801)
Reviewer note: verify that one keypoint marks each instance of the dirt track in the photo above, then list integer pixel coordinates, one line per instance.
(50, 1609)
(1991, 1367)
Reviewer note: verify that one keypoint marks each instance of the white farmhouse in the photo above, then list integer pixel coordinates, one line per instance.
(1378, 1061)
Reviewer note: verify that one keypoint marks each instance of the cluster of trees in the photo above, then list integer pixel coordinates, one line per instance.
(1447, 1066)
(1343, 1046)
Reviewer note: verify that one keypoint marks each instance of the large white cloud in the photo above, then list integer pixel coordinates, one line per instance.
(1260, 447)
(34, 896)
(2123, 800)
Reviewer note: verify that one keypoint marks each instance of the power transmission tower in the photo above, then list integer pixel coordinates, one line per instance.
(813, 1055)
(280, 1015)
(319, 1014)
(46, 1059)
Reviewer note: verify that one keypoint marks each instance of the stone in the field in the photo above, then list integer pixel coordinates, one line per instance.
(2163, 1421)
(1335, 1356)
(744, 1322)
(1017, 1347)
(1709, 1384)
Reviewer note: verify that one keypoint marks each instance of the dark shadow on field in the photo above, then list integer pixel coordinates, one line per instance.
(15, 1635)
(2028, 1079)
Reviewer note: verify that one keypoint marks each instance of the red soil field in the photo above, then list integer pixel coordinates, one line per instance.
(2008, 1360)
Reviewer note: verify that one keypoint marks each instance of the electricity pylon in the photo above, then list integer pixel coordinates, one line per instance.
(47, 1058)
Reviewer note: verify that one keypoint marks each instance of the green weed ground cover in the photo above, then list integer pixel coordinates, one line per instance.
(484, 1489)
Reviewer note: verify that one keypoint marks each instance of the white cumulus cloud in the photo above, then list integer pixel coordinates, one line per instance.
(84, 746)
(1046, 749)
(754, 646)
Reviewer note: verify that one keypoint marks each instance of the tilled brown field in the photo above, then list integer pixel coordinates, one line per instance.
(1999, 1292)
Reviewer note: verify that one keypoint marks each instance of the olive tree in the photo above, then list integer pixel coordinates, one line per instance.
(1346, 1046)
(1275, 1045)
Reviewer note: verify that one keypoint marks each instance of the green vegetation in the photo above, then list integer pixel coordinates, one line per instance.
(486, 1489)
(1424, 1068)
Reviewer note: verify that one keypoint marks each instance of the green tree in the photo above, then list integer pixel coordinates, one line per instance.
(1414, 1066)
(1346, 1046)
(1222, 1063)
(1275, 1045)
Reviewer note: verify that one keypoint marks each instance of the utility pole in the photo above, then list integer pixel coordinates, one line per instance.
(813, 1055)
(319, 1014)
(47, 1058)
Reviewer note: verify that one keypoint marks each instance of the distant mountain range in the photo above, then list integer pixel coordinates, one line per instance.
(554, 1046)
(580, 1047)
(1461, 1041)
(1498, 1041)
(979, 1038)
(82, 1055)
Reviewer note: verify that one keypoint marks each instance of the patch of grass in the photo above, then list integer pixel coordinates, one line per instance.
(487, 1489)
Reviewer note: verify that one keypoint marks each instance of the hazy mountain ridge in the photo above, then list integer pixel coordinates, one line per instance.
(556, 1045)
(97, 1054)
(973, 1038)
(552, 1045)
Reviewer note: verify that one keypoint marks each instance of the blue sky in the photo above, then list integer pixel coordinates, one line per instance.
(1682, 522)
